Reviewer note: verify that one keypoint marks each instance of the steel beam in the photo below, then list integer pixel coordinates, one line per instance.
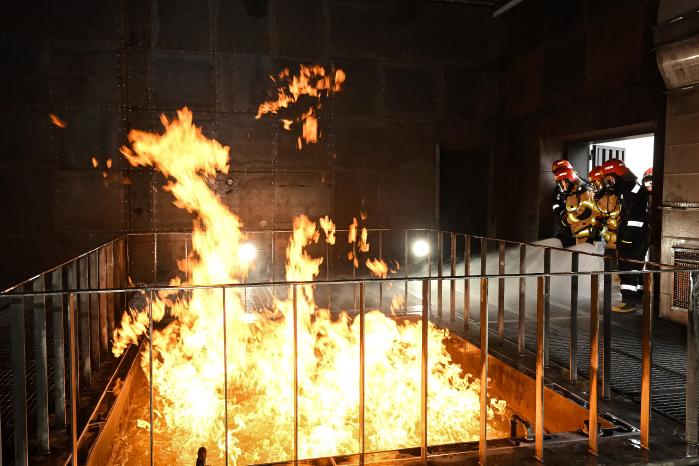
(111, 298)
(423, 372)
(452, 283)
(74, 371)
(361, 373)
(440, 254)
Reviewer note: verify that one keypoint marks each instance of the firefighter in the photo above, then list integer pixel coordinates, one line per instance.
(633, 229)
(647, 182)
(579, 205)
(608, 210)
(559, 212)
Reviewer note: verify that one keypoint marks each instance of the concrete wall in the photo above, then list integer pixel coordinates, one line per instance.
(418, 75)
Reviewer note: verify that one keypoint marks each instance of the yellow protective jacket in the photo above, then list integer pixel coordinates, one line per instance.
(608, 211)
(580, 213)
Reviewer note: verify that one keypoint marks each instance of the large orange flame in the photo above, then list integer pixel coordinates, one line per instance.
(193, 376)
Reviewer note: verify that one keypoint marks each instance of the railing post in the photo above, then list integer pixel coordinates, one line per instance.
(423, 381)
(19, 382)
(94, 311)
(521, 324)
(484, 256)
(483, 436)
(111, 299)
(540, 345)
(41, 364)
(573, 360)
(361, 373)
(102, 276)
(547, 306)
(225, 369)
(594, 364)
(151, 428)
(467, 282)
(296, 374)
(72, 277)
(59, 362)
(73, 353)
(405, 267)
(452, 282)
(501, 292)
(646, 341)
(607, 331)
(540, 358)
(692, 429)
(440, 254)
(381, 258)
(84, 322)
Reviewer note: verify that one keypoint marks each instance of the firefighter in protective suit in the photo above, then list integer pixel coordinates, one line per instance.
(579, 205)
(559, 202)
(608, 211)
(633, 234)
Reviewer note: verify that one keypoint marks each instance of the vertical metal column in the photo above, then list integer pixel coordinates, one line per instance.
(647, 342)
(73, 285)
(19, 382)
(59, 362)
(607, 331)
(103, 299)
(521, 323)
(440, 253)
(594, 364)
(405, 267)
(361, 373)
(483, 436)
(547, 306)
(573, 359)
(484, 256)
(540, 345)
(467, 282)
(296, 374)
(501, 292)
(452, 282)
(73, 353)
(155, 258)
(41, 364)
(691, 427)
(423, 379)
(381, 258)
(225, 369)
(94, 311)
(111, 299)
(150, 370)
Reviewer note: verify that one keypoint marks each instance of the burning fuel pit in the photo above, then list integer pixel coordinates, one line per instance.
(511, 398)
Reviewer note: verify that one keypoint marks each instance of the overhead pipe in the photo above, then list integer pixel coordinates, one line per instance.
(506, 7)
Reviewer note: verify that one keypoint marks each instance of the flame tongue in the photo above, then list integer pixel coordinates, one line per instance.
(188, 380)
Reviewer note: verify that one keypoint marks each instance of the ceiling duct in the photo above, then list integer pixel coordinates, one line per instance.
(679, 63)
(676, 41)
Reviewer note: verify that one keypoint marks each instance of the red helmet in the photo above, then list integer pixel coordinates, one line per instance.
(648, 173)
(558, 164)
(565, 174)
(615, 167)
(596, 173)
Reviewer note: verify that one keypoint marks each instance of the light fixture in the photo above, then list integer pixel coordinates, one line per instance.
(421, 248)
(247, 252)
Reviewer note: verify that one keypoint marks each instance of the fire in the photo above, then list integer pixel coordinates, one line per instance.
(313, 82)
(329, 228)
(57, 121)
(190, 388)
(377, 267)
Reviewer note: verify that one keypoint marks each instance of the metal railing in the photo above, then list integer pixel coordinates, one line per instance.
(93, 288)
